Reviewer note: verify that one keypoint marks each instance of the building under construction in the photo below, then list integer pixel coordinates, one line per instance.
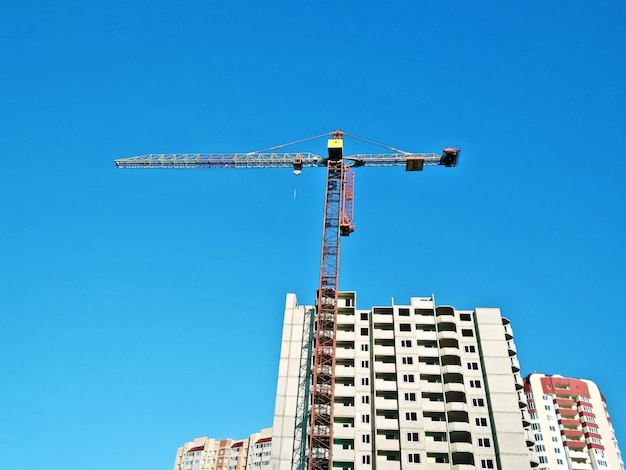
(414, 384)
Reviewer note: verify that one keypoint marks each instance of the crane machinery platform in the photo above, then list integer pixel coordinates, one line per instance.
(338, 222)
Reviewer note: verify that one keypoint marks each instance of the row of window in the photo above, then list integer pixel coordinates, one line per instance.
(466, 332)
(405, 312)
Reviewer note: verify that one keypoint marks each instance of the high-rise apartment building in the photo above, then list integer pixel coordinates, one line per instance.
(205, 453)
(414, 384)
(570, 424)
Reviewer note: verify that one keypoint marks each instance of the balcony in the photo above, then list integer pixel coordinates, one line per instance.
(457, 416)
(385, 367)
(461, 437)
(385, 403)
(455, 397)
(508, 332)
(449, 343)
(456, 387)
(446, 335)
(444, 310)
(434, 406)
(345, 335)
(574, 445)
(512, 349)
(515, 367)
(564, 402)
(427, 335)
(429, 369)
(569, 423)
(342, 390)
(446, 324)
(452, 369)
(344, 371)
(344, 411)
(431, 387)
(387, 443)
(530, 440)
(423, 351)
(455, 407)
(464, 448)
(380, 333)
(383, 422)
(574, 433)
(566, 412)
(380, 350)
(343, 353)
(458, 427)
(385, 385)
(342, 455)
(382, 319)
(436, 426)
(581, 466)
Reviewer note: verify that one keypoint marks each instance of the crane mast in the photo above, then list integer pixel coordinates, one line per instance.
(338, 221)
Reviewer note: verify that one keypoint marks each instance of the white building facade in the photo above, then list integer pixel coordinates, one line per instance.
(416, 386)
(204, 453)
(570, 424)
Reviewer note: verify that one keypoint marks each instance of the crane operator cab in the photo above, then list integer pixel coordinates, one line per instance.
(335, 149)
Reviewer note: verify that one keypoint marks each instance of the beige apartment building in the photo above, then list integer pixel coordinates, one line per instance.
(570, 424)
(205, 453)
(416, 386)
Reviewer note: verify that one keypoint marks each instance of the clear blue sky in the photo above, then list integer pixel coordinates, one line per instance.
(142, 308)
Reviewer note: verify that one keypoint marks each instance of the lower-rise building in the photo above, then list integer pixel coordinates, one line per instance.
(415, 385)
(570, 424)
(204, 453)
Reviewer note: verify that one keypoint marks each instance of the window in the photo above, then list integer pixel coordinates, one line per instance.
(535, 426)
(481, 422)
(414, 458)
(484, 442)
(409, 396)
(554, 439)
(403, 312)
(405, 327)
(470, 348)
(365, 399)
(486, 463)
(412, 436)
(364, 347)
(478, 401)
(407, 360)
(365, 381)
(467, 332)
(365, 331)
(365, 418)
(472, 365)
(547, 407)
(538, 437)
(409, 378)
(365, 438)
(475, 384)
(465, 316)
(364, 316)
(540, 448)
(559, 461)
(406, 343)
(365, 364)
(552, 428)
(366, 459)
(543, 459)
(557, 450)
(411, 416)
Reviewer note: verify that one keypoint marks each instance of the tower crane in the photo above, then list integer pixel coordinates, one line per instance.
(338, 221)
